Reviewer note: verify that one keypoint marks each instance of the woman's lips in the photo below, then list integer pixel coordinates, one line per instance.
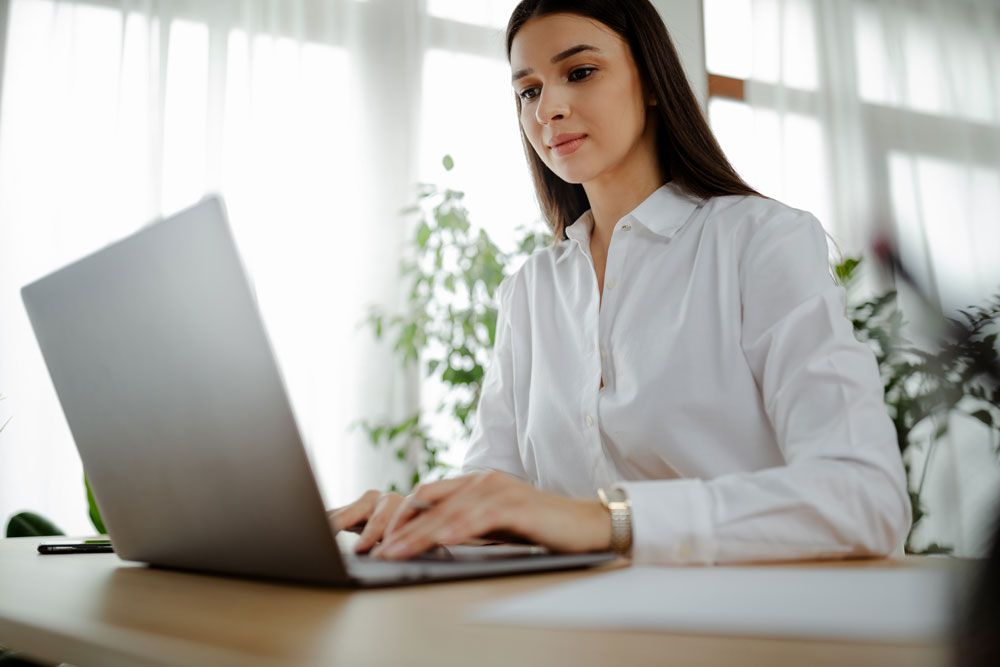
(569, 147)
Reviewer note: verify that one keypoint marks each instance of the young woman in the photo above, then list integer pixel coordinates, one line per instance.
(675, 378)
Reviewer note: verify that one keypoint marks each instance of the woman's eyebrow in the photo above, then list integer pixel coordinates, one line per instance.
(562, 55)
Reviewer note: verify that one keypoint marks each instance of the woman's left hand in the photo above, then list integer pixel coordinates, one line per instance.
(466, 507)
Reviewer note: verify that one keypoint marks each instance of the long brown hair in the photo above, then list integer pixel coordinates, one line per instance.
(687, 149)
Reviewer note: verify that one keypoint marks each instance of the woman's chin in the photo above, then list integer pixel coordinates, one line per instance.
(574, 174)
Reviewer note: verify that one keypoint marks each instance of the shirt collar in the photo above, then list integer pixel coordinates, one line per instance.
(579, 233)
(663, 212)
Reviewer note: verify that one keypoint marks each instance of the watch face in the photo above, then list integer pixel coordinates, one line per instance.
(617, 495)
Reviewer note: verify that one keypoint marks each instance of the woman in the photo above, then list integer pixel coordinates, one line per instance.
(682, 347)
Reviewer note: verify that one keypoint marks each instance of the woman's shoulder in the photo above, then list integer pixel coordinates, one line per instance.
(538, 267)
(749, 222)
(769, 235)
(751, 214)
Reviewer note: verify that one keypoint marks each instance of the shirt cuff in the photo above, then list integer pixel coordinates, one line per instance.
(671, 522)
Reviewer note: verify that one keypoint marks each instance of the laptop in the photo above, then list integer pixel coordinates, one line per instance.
(164, 371)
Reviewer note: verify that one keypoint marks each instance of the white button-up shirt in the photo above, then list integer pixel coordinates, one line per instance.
(739, 413)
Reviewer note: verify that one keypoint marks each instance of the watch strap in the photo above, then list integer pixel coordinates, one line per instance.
(616, 502)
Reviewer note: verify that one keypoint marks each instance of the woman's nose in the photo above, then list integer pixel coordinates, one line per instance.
(551, 106)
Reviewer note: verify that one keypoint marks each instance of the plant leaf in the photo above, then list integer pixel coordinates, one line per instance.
(404, 426)
(423, 234)
(29, 524)
(95, 513)
(845, 270)
(935, 549)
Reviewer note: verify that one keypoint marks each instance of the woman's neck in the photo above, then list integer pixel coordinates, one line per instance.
(609, 202)
(617, 192)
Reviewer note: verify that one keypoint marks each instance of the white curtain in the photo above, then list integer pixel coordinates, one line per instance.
(314, 118)
(884, 116)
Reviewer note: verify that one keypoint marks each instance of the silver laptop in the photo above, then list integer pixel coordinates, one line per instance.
(165, 374)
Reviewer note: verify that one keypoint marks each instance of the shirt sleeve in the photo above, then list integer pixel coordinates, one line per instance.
(493, 445)
(842, 491)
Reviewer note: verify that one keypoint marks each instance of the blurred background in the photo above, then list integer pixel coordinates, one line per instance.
(317, 118)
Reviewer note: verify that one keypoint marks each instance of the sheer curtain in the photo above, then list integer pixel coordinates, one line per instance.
(884, 116)
(314, 118)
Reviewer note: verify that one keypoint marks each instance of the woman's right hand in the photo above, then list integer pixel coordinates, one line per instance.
(374, 508)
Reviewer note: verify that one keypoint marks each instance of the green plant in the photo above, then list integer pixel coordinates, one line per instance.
(30, 524)
(929, 386)
(449, 325)
(92, 511)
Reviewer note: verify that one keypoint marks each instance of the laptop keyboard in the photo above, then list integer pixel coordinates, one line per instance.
(465, 553)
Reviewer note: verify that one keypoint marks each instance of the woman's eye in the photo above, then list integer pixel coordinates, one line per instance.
(526, 93)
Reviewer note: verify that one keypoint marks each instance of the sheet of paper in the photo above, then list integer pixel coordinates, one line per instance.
(872, 604)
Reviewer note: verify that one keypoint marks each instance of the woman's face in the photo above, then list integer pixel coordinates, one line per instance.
(594, 93)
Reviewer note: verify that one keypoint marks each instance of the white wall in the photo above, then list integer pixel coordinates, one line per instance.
(685, 22)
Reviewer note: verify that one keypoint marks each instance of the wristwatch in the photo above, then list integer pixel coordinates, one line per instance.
(616, 502)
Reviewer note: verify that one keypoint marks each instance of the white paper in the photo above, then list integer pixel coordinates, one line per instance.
(872, 604)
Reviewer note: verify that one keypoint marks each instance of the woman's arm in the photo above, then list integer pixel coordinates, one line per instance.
(843, 489)
(493, 445)
(482, 499)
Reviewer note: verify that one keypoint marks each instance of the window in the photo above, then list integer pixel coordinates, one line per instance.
(314, 130)
(836, 130)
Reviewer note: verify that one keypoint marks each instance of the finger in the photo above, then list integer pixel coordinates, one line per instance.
(356, 512)
(444, 496)
(460, 517)
(376, 524)
(347, 518)
(427, 532)
(405, 512)
(434, 495)
(422, 498)
(336, 518)
(356, 528)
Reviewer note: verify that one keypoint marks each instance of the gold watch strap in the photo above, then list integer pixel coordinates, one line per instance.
(617, 504)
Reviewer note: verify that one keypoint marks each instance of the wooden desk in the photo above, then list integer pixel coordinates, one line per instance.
(97, 610)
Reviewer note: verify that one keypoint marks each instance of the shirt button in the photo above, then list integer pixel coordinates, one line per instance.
(611, 284)
(589, 420)
(627, 226)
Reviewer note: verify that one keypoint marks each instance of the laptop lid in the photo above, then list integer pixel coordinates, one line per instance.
(164, 371)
